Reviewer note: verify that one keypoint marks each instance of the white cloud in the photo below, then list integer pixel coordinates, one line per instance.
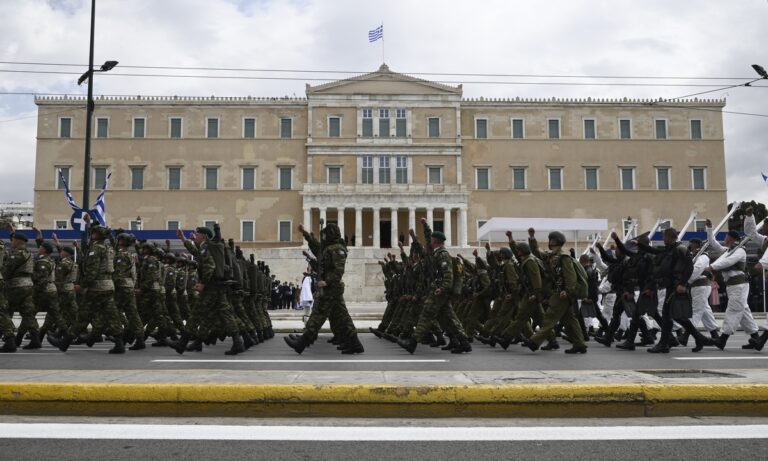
(658, 37)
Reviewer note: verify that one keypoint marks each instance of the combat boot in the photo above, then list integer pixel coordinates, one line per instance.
(576, 350)
(714, 334)
(196, 346)
(270, 333)
(353, 346)
(439, 342)
(451, 344)
(530, 345)
(376, 332)
(660, 348)
(162, 341)
(181, 345)
(702, 341)
(334, 340)
(428, 339)
(247, 341)
(409, 344)
(139, 344)
(720, 342)
(237, 345)
(504, 342)
(750, 342)
(759, 342)
(61, 343)
(682, 337)
(34, 341)
(9, 345)
(119, 346)
(463, 347)
(626, 345)
(297, 343)
(19, 338)
(551, 346)
(605, 340)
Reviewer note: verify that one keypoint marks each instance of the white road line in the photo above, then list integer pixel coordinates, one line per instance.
(354, 433)
(299, 361)
(723, 358)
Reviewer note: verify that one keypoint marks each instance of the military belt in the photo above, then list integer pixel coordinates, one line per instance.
(21, 281)
(101, 285)
(124, 283)
(702, 281)
(66, 287)
(737, 280)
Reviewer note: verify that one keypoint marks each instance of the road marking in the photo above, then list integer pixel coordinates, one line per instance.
(355, 433)
(299, 361)
(722, 358)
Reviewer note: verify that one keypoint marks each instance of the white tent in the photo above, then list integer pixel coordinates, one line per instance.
(575, 229)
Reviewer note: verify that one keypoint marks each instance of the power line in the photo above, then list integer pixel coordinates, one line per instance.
(321, 71)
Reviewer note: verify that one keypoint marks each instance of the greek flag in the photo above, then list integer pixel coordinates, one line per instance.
(99, 210)
(765, 179)
(376, 34)
(67, 193)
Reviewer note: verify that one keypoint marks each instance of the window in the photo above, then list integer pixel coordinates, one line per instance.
(400, 123)
(334, 175)
(367, 123)
(625, 128)
(434, 127)
(209, 224)
(211, 127)
(62, 171)
(695, 129)
(589, 129)
(135, 225)
(627, 224)
(137, 177)
(664, 225)
(65, 127)
(102, 127)
(518, 178)
(211, 178)
(60, 225)
(384, 171)
(284, 231)
(139, 127)
(480, 223)
(553, 128)
(401, 169)
(555, 178)
(518, 128)
(286, 178)
(334, 127)
(590, 178)
(661, 128)
(662, 178)
(99, 176)
(481, 128)
(248, 178)
(699, 178)
(700, 225)
(175, 126)
(383, 123)
(286, 127)
(249, 127)
(246, 231)
(627, 178)
(172, 225)
(366, 173)
(174, 178)
(483, 178)
(434, 175)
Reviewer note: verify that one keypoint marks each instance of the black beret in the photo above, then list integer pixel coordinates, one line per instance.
(439, 235)
(204, 230)
(734, 234)
(18, 236)
(48, 247)
(68, 249)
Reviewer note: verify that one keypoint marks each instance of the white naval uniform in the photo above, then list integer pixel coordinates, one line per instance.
(606, 289)
(737, 312)
(702, 311)
(750, 228)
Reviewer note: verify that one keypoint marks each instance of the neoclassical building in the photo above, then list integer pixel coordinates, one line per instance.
(377, 152)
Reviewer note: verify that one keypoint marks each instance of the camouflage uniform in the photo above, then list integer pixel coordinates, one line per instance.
(6, 325)
(65, 277)
(438, 306)
(98, 266)
(151, 308)
(17, 272)
(45, 297)
(125, 294)
(169, 291)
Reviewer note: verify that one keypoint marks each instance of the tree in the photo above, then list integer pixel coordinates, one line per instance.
(736, 222)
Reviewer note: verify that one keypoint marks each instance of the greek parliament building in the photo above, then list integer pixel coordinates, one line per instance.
(375, 153)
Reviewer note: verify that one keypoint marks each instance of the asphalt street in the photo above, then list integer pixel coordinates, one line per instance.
(382, 355)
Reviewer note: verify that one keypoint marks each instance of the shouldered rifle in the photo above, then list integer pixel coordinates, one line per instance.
(715, 230)
(694, 214)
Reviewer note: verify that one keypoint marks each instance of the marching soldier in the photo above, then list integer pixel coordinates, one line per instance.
(45, 296)
(6, 325)
(65, 279)
(125, 291)
(17, 272)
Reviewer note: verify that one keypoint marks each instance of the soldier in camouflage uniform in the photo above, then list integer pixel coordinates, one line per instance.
(150, 305)
(45, 296)
(6, 325)
(65, 279)
(125, 292)
(182, 298)
(482, 295)
(169, 284)
(17, 272)
(332, 261)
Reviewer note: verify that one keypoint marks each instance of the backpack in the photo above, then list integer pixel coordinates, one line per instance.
(582, 279)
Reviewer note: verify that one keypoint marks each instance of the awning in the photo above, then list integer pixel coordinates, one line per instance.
(575, 229)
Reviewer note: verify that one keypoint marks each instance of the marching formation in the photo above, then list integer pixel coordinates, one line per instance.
(521, 294)
(183, 301)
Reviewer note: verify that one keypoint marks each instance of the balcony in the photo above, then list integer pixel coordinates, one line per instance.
(369, 189)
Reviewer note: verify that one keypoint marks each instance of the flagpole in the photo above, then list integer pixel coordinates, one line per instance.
(383, 61)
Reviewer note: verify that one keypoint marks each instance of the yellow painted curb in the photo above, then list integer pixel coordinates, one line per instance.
(538, 400)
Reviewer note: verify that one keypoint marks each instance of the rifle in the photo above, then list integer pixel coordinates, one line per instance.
(705, 245)
(628, 233)
(684, 230)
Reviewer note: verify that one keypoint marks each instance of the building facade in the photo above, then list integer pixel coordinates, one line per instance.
(377, 152)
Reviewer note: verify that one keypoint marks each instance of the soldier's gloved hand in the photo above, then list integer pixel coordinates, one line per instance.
(301, 228)
(708, 223)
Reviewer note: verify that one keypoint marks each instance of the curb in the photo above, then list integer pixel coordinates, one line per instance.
(368, 401)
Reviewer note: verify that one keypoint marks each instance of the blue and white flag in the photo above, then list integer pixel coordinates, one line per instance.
(67, 193)
(765, 178)
(376, 34)
(99, 210)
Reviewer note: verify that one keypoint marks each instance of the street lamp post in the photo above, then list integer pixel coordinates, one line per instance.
(88, 75)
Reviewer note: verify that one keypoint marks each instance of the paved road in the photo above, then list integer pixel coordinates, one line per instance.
(166, 439)
(382, 355)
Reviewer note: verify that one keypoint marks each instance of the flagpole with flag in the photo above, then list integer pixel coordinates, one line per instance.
(377, 34)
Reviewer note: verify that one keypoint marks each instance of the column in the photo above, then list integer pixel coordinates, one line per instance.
(462, 224)
(447, 226)
(358, 227)
(376, 229)
(340, 220)
(307, 224)
(323, 217)
(411, 220)
(394, 235)
(431, 218)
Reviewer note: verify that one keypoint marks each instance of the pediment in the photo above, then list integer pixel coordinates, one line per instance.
(384, 82)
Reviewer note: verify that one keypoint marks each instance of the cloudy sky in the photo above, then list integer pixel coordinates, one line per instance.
(560, 38)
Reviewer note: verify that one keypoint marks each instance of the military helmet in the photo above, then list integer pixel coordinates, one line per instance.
(505, 252)
(69, 250)
(523, 248)
(558, 237)
(129, 238)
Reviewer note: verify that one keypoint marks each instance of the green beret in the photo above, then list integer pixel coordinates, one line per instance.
(19, 236)
(439, 235)
(68, 249)
(48, 247)
(204, 230)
